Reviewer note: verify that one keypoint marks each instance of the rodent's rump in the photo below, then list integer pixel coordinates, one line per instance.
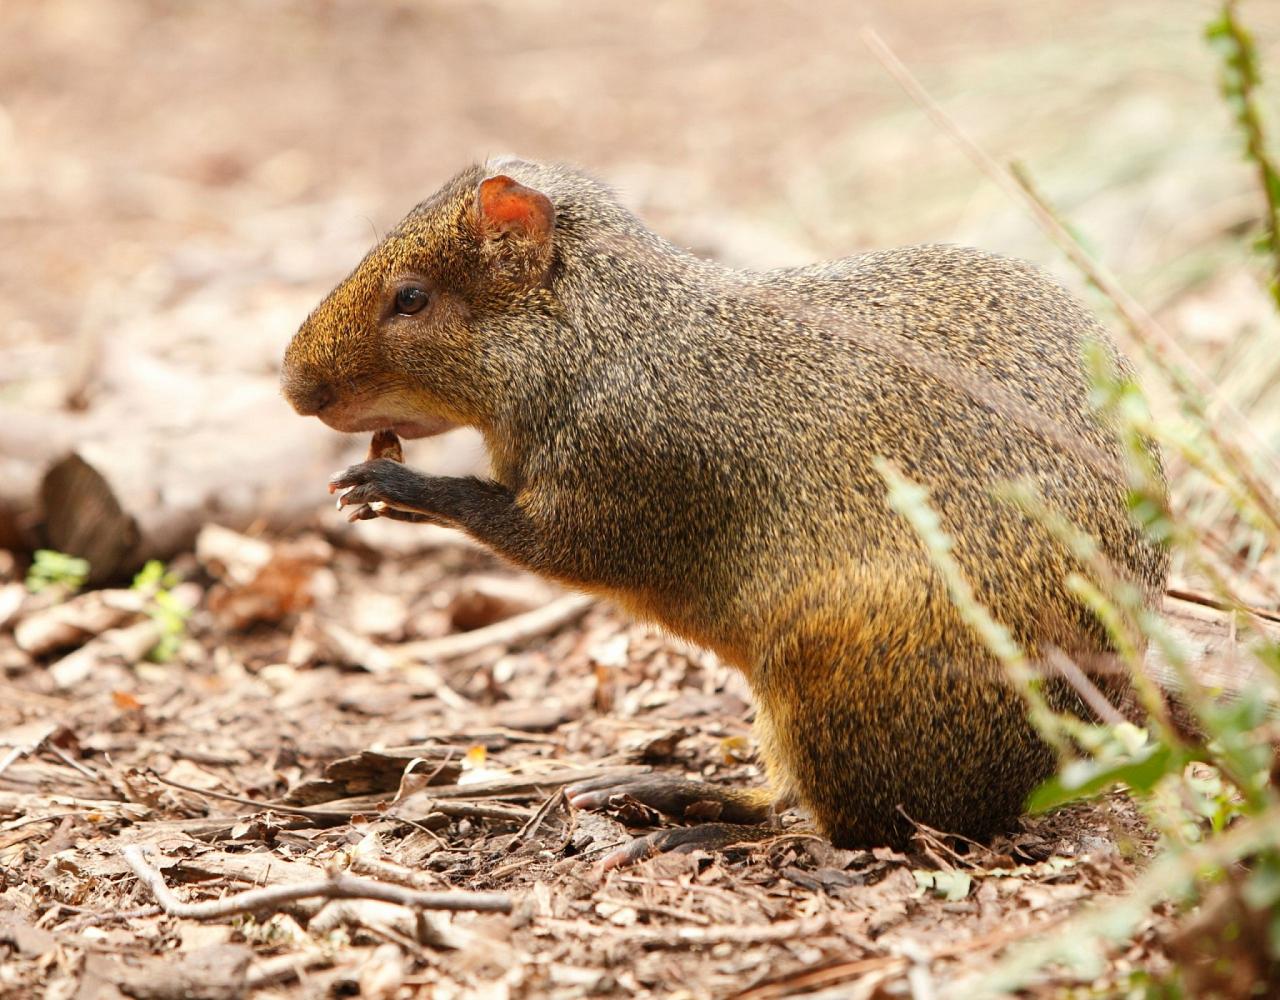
(699, 444)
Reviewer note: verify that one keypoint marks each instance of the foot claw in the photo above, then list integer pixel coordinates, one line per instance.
(586, 800)
(631, 853)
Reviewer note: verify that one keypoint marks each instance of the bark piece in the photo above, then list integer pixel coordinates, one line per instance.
(76, 620)
(126, 645)
(216, 973)
(84, 517)
(372, 771)
(259, 582)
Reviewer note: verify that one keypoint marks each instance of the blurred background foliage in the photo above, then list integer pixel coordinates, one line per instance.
(188, 178)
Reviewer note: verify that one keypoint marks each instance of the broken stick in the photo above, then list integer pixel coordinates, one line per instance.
(508, 632)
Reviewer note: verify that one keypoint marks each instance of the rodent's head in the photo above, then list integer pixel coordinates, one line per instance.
(410, 340)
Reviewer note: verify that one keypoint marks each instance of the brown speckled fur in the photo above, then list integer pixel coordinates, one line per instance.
(698, 444)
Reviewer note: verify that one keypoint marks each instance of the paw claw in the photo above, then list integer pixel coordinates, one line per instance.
(587, 800)
(632, 853)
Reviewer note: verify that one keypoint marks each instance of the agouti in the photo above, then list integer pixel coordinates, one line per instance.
(699, 445)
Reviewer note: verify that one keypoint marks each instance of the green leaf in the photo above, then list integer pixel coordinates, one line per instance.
(1085, 778)
(952, 886)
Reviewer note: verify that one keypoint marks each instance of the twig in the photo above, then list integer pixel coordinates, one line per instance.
(1204, 600)
(467, 810)
(71, 762)
(282, 968)
(89, 918)
(338, 885)
(445, 762)
(1144, 327)
(311, 812)
(805, 979)
(480, 810)
(790, 984)
(389, 871)
(522, 784)
(639, 905)
(385, 932)
(928, 835)
(527, 831)
(11, 756)
(21, 821)
(694, 937)
(509, 632)
(369, 655)
(1078, 679)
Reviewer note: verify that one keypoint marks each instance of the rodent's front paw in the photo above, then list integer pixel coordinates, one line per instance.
(378, 488)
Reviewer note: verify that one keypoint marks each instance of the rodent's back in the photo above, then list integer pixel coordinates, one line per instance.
(762, 413)
(984, 357)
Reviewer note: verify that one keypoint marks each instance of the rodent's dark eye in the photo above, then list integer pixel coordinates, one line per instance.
(410, 300)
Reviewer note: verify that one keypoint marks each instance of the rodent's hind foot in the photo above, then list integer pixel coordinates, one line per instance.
(710, 837)
(679, 798)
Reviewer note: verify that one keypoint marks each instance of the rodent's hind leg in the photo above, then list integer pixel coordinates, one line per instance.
(686, 839)
(679, 798)
(724, 815)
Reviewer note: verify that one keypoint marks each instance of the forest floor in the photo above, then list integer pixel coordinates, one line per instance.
(265, 754)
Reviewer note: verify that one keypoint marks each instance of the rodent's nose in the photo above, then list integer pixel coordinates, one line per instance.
(307, 397)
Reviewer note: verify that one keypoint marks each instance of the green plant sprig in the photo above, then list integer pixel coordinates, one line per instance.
(50, 568)
(1241, 80)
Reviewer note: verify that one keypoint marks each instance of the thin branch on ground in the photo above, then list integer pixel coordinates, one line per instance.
(535, 822)
(14, 754)
(310, 812)
(71, 762)
(338, 885)
(454, 810)
(389, 871)
(696, 937)
(480, 810)
(283, 968)
(508, 632)
(930, 838)
(1208, 601)
(89, 918)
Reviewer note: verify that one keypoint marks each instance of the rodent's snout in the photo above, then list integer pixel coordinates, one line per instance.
(308, 397)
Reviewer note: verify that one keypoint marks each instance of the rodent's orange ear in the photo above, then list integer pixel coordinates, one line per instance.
(506, 206)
